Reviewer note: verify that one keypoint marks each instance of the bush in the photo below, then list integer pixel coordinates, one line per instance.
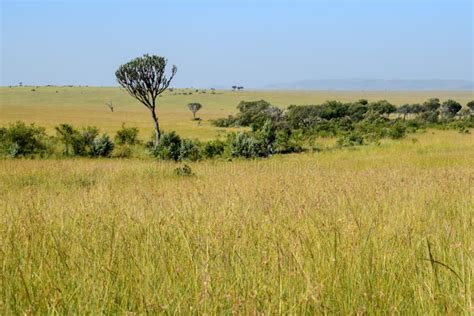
(397, 131)
(80, 142)
(430, 117)
(102, 146)
(450, 108)
(244, 145)
(287, 141)
(127, 135)
(20, 140)
(169, 147)
(184, 170)
(225, 122)
(251, 113)
(351, 139)
(213, 148)
(189, 150)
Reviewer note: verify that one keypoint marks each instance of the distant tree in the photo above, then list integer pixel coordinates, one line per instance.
(144, 78)
(431, 105)
(416, 108)
(470, 105)
(194, 107)
(363, 101)
(449, 108)
(240, 88)
(404, 110)
(382, 107)
(234, 87)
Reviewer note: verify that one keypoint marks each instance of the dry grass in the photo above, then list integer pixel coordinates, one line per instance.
(341, 232)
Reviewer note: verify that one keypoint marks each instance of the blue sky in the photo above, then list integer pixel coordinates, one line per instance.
(250, 43)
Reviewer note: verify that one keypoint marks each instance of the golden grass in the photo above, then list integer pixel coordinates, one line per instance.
(83, 106)
(340, 232)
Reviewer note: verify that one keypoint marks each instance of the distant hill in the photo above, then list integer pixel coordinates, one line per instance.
(374, 84)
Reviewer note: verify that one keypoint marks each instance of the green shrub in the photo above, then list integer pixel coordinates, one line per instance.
(251, 113)
(102, 146)
(169, 147)
(397, 131)
(287, 141)
(75, 142)
(244, 145)
(351, 139)
(127, 135)
(189, 150)
(20, 140)
(450, 108)
(213, 148)
(430, 117)
(184, 171)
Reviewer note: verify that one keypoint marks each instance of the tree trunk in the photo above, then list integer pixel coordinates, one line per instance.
(157, 126)
(194, 115)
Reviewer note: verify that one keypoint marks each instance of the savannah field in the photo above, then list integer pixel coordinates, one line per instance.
(376, 229)
(82, 106)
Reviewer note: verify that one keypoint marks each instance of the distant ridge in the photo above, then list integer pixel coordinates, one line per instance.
(374, 84)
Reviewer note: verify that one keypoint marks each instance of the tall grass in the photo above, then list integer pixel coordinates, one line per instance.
(381, 229)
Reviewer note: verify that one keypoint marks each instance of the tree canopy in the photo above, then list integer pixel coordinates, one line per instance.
(145, 79)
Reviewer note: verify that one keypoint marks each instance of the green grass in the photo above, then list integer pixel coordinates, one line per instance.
(341, 232)
(83, 106)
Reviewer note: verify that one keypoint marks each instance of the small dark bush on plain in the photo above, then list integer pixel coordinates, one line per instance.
(169, 147)
(75, 142)
(245, 145)
(189, 150)
(127, 135)
(184, 171)
(213, 148)
(102, 146)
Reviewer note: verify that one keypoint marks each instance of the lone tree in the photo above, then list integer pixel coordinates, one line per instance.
(194, 107)
(144, 78)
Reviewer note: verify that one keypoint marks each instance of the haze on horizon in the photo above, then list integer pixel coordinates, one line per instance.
(249, 43)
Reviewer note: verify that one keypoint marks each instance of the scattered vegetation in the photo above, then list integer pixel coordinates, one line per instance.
(272, 131)
(355, 123)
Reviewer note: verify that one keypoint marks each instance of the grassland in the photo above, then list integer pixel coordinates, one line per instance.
(81, 106)
(342, 232)
(377, 229)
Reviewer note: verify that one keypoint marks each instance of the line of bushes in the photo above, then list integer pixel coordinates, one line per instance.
(273, 131)
(22, 140)
(355, 123)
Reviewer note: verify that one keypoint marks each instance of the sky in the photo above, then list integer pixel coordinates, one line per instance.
(249, 43)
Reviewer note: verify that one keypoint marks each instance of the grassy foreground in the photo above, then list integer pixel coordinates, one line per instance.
(379, 229)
